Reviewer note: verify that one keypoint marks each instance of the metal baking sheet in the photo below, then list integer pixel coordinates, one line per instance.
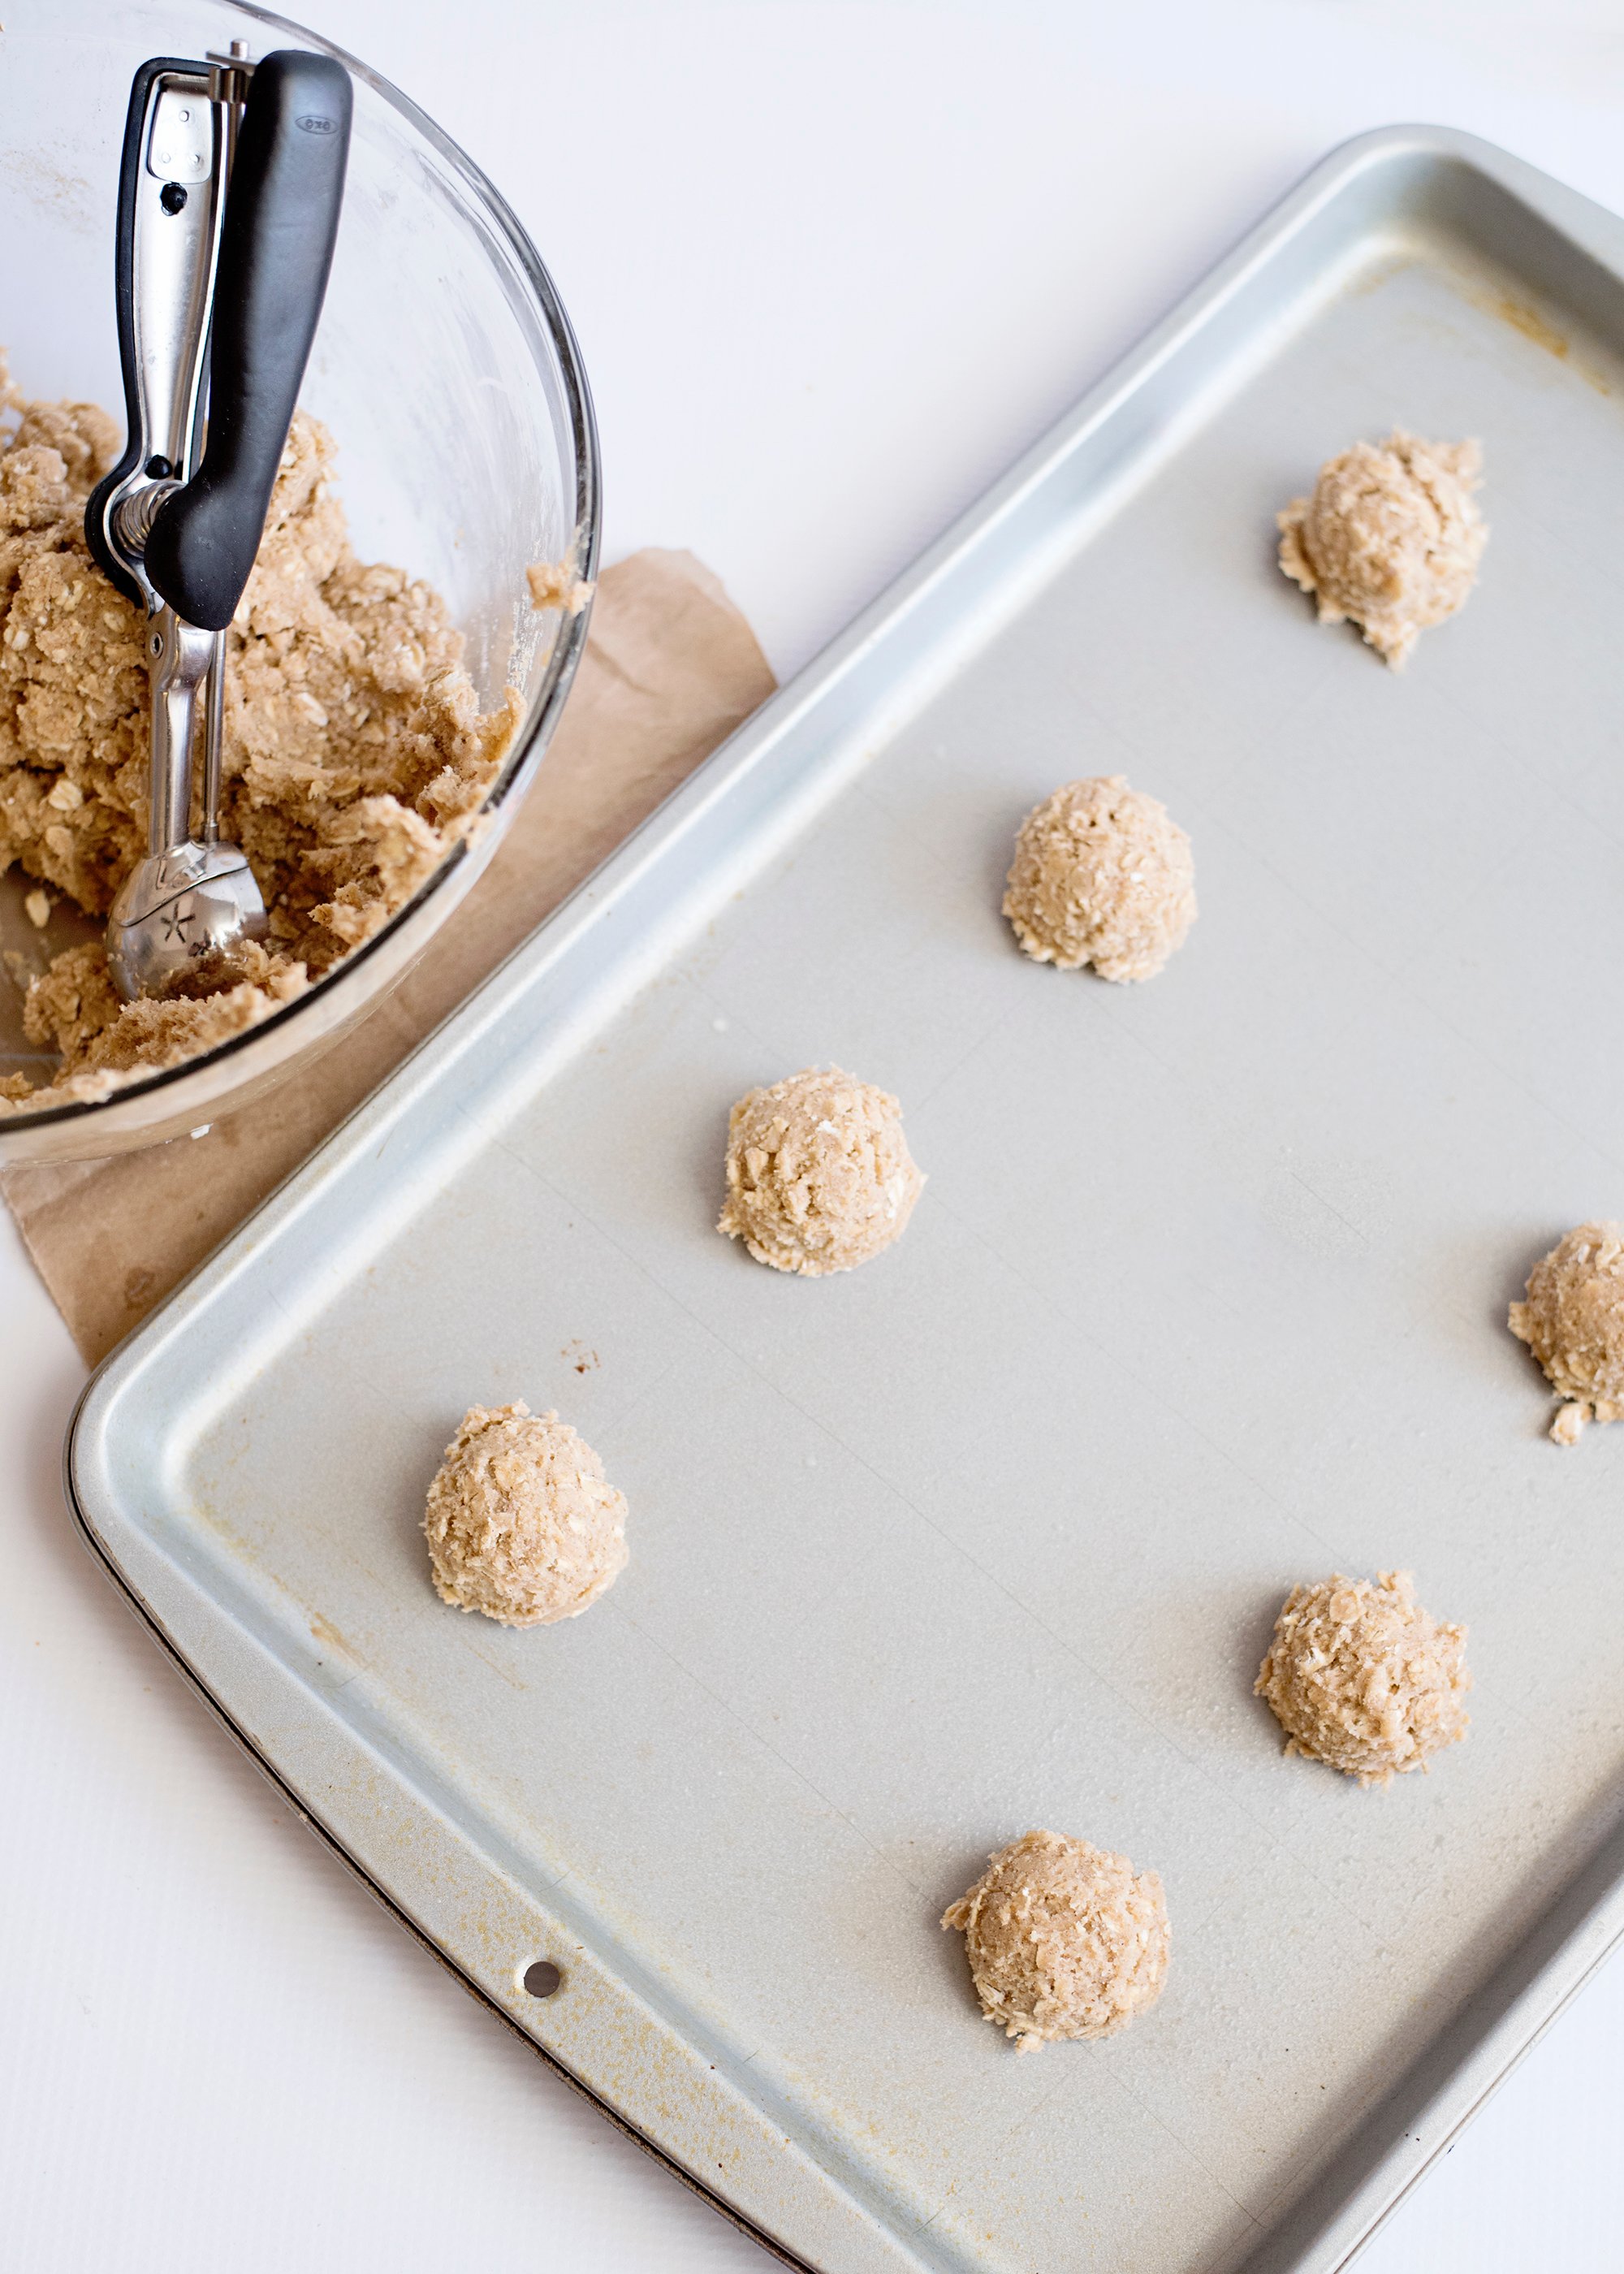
(1206, 1295)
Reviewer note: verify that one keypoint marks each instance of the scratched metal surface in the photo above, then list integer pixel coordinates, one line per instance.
(1205, 1295)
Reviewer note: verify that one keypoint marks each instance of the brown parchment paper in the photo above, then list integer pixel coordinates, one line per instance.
(671, 667)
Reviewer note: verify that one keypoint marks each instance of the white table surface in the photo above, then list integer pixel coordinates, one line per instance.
(832, 266)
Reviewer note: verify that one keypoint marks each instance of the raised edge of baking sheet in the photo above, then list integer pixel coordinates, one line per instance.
(1206, 1295)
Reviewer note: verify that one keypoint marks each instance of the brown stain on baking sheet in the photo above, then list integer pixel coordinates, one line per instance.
(332, 1636)
(507, 1673)
(1492, 297)
(1526, 319)
(1532, 324)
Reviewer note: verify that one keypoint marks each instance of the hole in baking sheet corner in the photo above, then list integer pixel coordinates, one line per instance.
(541, 1977)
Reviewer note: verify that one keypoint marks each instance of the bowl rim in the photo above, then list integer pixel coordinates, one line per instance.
(531, 739)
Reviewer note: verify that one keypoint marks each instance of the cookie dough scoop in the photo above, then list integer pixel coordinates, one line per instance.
(230, 192)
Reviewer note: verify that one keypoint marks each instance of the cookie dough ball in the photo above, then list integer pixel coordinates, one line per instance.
(1063, 1940)
(520, 1522)
(1574, 1324)
(819, 1174)
(1101, 876)
(1358, 1677)
(1391, 537)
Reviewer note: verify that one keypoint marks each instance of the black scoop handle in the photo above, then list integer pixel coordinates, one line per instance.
(275, 250)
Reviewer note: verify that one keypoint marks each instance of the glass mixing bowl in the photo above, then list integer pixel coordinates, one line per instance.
(445, 367)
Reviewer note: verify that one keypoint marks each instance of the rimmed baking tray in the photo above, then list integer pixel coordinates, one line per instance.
(1206, 1295)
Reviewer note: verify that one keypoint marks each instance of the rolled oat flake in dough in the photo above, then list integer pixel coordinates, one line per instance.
(1360, 1678)
(1573, 1320)
(819, 1174)
(521, 1522)
(1101, 876)
(1064, 1940)
(1390, 537)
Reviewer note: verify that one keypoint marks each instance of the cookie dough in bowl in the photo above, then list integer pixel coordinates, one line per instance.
(1101, 876)
(522, 1523)
(370, 745)
(1360, 1678)
(1391, 536)
(819, 1174)
(1573, 1320)
(1064, 1940)
(355, 754)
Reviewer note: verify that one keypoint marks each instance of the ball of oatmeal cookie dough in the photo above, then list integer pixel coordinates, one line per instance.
(521, 1522)
(1100, 875)
(1358, 1677)
(1391, 537)
(1063, 1940)
(819, 1174)
(1573, 1322)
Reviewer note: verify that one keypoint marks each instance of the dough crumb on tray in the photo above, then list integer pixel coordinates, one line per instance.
(522, 1523)
(355, 755)
(1360, 1678)
(1064, 1940)
(1573, 1320)
(1391, 537)
(819, 1174)
(1101, 876)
